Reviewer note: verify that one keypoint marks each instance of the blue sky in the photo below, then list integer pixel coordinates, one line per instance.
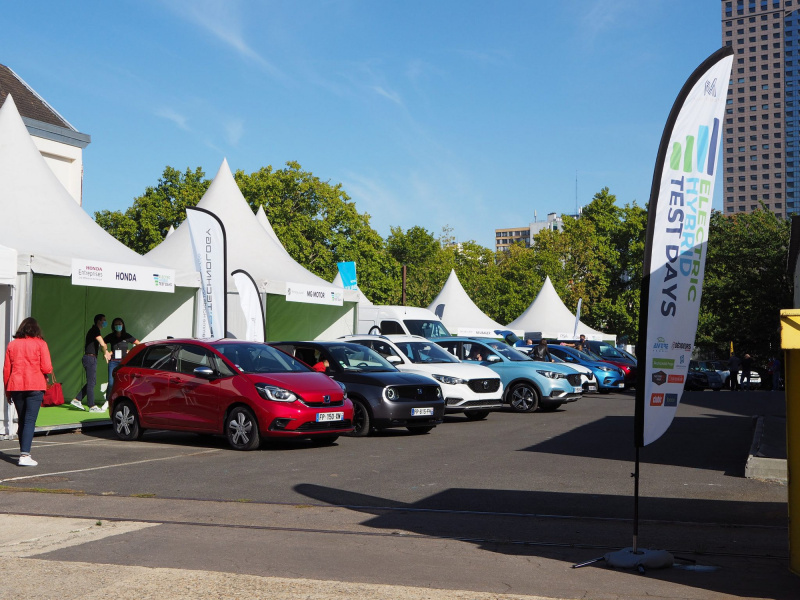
(460, 113)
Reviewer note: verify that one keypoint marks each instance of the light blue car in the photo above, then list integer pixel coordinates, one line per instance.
(608, 376)
(529, 384)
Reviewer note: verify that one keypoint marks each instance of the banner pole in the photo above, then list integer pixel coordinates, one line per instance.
(636, 504)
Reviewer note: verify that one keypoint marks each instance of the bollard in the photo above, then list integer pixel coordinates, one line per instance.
(790, 344)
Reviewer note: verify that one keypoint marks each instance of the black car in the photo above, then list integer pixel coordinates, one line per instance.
(696, 380)
(382, 396)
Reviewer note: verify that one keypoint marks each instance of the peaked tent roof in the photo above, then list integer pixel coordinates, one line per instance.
(41, 221)
(457, 310)
(261, 216)
(548, 317)
(250, 247)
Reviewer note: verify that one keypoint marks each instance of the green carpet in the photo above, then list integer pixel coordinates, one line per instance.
(66, 414)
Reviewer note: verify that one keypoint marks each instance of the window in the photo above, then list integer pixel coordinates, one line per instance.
(159, 357)
(191, 357)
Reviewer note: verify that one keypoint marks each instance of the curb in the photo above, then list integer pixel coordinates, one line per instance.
(761, 467)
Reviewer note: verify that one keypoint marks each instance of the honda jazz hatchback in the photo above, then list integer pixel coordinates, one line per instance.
(244, 390)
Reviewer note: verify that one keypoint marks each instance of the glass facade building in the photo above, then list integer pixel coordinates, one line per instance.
(762, 120)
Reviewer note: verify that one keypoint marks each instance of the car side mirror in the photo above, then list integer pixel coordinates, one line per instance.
(204, 372)
(493, 358)
(395, 360)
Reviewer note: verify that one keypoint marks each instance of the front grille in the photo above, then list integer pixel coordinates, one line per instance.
(574, 379)
(314, 426)
(322, 404)
(414, 393)
(484, 386)
(482, 403)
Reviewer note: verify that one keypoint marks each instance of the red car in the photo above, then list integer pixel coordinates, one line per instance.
(245, 390)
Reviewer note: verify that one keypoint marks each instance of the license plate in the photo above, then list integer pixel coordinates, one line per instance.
(325, 417)
(622, 385)
(421, 412)
(592, 388)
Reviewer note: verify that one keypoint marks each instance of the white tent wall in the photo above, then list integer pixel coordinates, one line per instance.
(8, 428)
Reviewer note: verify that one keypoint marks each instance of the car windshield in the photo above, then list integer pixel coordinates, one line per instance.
(425, 352)
(583, 355)
(259, 358)
(607, 351)
(507, 351)
(357, 358)
(426, 328)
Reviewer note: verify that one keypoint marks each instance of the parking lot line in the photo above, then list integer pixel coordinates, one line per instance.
(126, 464)
(43, 443)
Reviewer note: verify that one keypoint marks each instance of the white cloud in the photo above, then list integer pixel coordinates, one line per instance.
(390, 94)
(223, 20)
(234, 129)
(171, 115)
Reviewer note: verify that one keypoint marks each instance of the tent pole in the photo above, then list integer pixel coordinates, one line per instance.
(404, 286)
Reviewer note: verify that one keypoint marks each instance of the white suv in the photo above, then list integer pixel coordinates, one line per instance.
(472, 389)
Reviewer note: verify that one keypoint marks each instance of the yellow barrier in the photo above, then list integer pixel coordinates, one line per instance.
(790, 343)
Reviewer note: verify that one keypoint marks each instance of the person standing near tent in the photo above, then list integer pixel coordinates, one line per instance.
(118, 341)
(25, 371)
(734, 363)
(94, 340)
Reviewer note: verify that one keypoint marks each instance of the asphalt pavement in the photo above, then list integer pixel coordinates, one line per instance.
(495, 509)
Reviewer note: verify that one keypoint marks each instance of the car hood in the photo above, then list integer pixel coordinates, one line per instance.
(461, 370)
(542, 365)
(384, 378)
(310, 386)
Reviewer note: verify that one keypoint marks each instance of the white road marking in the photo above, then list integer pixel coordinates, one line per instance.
(127, 464)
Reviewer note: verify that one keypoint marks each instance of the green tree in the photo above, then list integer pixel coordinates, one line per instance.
(144, 225)
(746, 284)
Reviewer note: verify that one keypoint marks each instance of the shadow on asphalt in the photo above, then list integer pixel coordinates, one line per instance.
(572, 540)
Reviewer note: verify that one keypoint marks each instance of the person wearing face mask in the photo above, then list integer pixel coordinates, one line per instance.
(118, 342)
(94, 341)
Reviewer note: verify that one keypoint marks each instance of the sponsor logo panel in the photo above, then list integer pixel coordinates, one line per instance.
(675, 379)
(656, 399)
(663, 363)
(659, 378)
(670, 399)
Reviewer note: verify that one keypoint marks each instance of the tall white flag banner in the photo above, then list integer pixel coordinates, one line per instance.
(677, 238)
(251, 306)
(210, 260)
(577, 318)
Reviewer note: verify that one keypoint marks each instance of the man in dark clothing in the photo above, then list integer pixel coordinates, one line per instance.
(734, 362)
(94, 340)
(541, 352)
(747, 365)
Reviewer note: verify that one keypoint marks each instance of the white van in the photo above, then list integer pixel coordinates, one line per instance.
(400, 320)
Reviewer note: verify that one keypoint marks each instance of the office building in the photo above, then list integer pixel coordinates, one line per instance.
(762, 120)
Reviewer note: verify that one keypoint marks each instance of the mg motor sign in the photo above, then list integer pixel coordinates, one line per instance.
(314, 294)
(95, 273)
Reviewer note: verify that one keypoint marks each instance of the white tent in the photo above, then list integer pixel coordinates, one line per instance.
(251, 248)
(261, 216)
(548, 317)
(362, 299)
(459, 313)
(8, 280)
(46, 228)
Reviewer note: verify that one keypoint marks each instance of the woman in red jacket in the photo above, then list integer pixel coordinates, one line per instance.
(24, 378)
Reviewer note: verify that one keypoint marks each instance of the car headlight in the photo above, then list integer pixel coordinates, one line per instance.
(608, 368)
(391, 393)
(446, 379)
(552, 374)
(275, 393)
(343, 386)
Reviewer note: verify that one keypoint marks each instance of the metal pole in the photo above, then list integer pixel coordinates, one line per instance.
(636, 503)
(404, 286)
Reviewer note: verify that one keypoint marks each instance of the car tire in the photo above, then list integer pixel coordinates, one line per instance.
(476, 415)
(362, 422)
(126, 421)
(241, 429)
(523, 397)
(323, 440)
(420, 430)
